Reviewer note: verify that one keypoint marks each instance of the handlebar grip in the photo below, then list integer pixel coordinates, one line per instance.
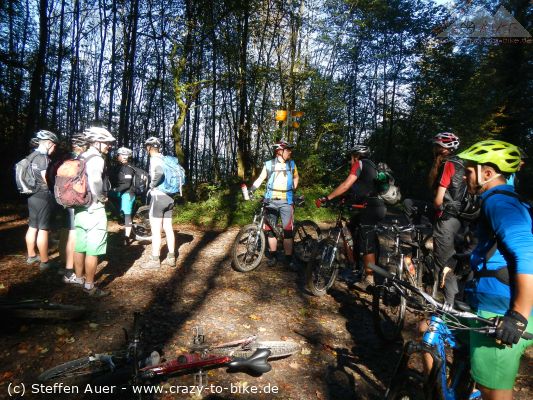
(527, 335)
(358, 205)
(380, 271)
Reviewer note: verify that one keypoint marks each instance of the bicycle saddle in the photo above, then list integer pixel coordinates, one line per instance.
(256, 364)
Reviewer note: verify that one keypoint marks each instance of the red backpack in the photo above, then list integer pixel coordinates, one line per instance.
(71, 187)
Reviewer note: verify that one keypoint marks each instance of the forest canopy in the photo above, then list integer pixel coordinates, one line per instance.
(208, 76)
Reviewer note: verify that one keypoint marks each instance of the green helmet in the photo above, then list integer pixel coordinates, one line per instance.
(505, 156)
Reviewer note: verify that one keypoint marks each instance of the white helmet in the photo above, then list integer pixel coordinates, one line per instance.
(46, 135)
(447, 140)
(124, 151)
(152, 141)
(97, 134)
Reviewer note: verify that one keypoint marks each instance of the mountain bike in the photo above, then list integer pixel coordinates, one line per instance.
(248, 355)
(446, 380)
(250, 244)
(410, 259)
(40, 309)
(333, 252)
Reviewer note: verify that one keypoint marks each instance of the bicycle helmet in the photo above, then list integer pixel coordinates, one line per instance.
(79, 140)
(97, 134)
(152, 141)
(282, 145)
(34, 142)
(360, 149)
(123, 151)
(47, 135)
(447, 140)
(505, 156)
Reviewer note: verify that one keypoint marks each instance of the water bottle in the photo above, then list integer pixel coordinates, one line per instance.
(245, 192)
(154, 359)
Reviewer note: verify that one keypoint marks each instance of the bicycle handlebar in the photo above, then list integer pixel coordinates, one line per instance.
(445, 308)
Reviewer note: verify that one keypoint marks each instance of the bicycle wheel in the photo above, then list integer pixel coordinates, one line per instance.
(306, 236)
(42, 309)
(248, 248)
(141, 224)
(86, 367)
(388, 309)
(407, 385)
(323, 267)
(278, 348)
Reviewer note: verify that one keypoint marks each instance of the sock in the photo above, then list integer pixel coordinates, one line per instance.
(171, 255)
(88, 286)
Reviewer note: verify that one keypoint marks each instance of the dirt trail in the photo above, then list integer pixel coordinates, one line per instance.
(341, 357)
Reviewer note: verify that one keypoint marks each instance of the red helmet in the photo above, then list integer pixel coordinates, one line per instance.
(282, 144)
(447, 140)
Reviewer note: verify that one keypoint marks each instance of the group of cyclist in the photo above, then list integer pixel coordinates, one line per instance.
(502, 261)
(85, 236)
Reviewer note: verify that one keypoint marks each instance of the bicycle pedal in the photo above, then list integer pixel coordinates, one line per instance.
(200, 379)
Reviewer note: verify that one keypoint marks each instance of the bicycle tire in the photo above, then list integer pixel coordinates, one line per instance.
(85, 367)
(306, 236)
(388, 309)
(248, 248)
(407, 385)
(141, 224)
(42, 309)
(322, 269)
(278, 348)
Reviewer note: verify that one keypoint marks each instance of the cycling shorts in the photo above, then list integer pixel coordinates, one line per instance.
(41, 206)
(282, 209)
(496, 366)
(367, 238)
(127, 200)
(91, 230)
(161, 205)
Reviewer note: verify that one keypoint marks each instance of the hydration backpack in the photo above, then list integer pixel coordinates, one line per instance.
(25, 175)
(386, 185)
(140, 180)
(174, 176)
(71, 188)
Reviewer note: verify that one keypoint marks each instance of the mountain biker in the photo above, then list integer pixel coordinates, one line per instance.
(282, 180)
(91, 221)
(161, 207)
(125, 190)
(79, 145)
(503, 267)
(41, 204)
(446, 181)
(361, 183)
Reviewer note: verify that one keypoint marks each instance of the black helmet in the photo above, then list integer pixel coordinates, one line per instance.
(360, 149)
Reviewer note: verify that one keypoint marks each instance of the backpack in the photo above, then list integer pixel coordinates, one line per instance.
(139, 182)
(71, 188)
(386, 185)
(174, 176)
(25, 175)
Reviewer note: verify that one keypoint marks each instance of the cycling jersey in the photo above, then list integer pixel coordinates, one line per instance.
(365, 185)
(39, 165)
(125, 178)
(505, 240)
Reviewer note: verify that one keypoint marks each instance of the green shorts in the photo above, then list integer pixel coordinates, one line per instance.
(91, 231)
(496, 366)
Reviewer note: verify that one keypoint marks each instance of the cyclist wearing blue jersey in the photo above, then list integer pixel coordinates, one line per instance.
(503, 267)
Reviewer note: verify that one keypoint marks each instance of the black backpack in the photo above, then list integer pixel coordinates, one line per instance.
(140, 180)
(25, 175)
(459, 202)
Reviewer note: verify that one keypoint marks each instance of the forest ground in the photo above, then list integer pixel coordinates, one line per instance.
(340, 357)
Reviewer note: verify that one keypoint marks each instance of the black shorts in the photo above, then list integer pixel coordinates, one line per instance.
(367, 238)
(161, 205)
(41, 206)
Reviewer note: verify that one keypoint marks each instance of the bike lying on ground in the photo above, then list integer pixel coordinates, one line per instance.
(248, 355)
(333, 252)
(409, 259)
(40, 309)
(250, 244)
(445, 380)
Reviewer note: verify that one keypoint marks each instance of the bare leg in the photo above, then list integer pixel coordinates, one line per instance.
(79, 264)
(169, 232)
(71, 244)
(31, 235)
(495, 394)
(369, 259)
(273, 244)
(155, 224)
(42, 244)
(91, 262)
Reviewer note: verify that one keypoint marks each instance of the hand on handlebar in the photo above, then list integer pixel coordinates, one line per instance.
(510, 328)
(321, 201)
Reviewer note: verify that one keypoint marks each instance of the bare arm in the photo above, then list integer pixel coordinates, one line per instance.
(343, 187)
(295, 182)
(523, 300)
(439, 197)
(262, 176)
